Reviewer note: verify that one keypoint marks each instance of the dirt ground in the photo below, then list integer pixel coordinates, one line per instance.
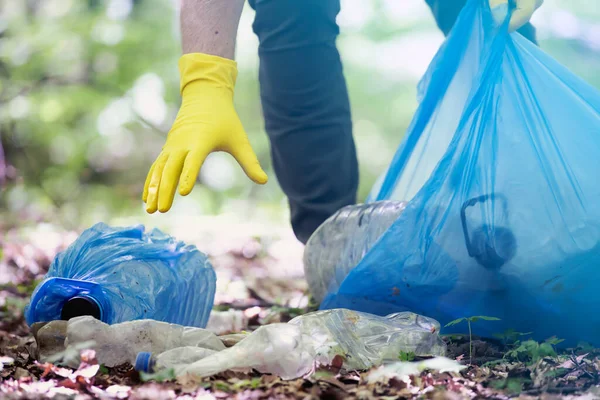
(263, 277)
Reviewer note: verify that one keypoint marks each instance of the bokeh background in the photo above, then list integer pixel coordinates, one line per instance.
(89, 88)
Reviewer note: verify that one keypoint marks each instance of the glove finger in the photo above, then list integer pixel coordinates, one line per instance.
(191, 168)
(169, 180)
(147, 183)
(245, 156)
(155, 182)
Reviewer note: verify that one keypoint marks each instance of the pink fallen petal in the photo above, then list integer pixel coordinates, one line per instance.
(118, 391)
(64, 372)
(63, 390)
(88, 357)
(87, 372)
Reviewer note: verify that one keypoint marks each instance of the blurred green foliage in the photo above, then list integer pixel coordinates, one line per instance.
(88, 89)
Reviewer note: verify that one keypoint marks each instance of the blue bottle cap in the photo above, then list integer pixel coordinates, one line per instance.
(143, 362)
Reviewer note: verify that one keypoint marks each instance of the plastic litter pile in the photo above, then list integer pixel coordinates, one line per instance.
(98, 293)
(490, 207)
(289, 350)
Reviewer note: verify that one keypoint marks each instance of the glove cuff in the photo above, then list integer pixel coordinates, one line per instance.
(207, 70)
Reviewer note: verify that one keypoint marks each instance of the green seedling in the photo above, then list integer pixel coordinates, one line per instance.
(406, 356)
(513, 386)
(554, 340)
(532, 351)
(584, 347)
(510, 336)
(160, 376)
(469, 321)
(222, 386)
(253, 384)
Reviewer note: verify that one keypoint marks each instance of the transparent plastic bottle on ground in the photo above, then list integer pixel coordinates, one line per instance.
(339, 244)
(292, 350)
(120, 343)
(367, 340)
(168, 359)
(124, 274)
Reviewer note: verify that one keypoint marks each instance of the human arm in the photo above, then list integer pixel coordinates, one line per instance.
(210, 26)
(522, 13)
(207, 120)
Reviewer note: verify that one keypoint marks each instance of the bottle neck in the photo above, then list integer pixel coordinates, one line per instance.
(63, 298)
(81, 305)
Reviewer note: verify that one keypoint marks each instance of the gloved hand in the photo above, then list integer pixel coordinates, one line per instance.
(521, 14)
(206, 122)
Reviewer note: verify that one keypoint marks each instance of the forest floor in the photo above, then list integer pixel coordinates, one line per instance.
(262, 276)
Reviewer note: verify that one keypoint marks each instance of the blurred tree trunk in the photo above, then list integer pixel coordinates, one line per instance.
(2, 165)
(7, 171)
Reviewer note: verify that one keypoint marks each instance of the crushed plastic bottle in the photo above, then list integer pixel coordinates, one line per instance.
(222, 322)
(181, 355)
(339, 244)
(292, 350)
(366, 340)
(120, 343)
(124, 274)
(280, 349)
(50, 338)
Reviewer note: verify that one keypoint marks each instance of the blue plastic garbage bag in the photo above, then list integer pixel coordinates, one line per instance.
(124, 274)
(499, 167)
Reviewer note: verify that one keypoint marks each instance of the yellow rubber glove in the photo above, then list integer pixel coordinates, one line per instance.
(206, 122)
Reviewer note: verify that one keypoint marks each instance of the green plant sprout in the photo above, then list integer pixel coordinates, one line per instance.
(532, 351)
(510, 336)
(160, 376)
(469, 321)
(406, 356)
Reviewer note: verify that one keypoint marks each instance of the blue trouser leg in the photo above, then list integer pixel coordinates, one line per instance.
(306, 108)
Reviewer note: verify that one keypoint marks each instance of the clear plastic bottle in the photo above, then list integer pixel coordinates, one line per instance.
(339, 244)
(178, 356)
(292, 350)
(280, 349)
(120, 343)
(124, 274)
(367, 340)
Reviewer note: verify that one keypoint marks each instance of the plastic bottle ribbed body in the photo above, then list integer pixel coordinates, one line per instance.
(339, 244)
(129, 274)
